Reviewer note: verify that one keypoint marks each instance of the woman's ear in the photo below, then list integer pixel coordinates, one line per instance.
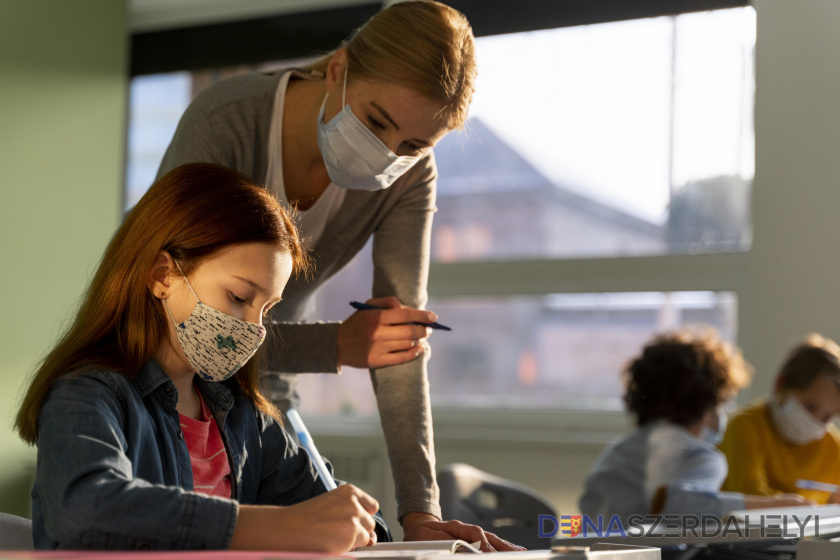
(336, 69)
(160, 274)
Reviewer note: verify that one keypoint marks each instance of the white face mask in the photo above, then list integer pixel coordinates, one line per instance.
(215, 343)
(355, 158)
(715, 436)
(795, 424)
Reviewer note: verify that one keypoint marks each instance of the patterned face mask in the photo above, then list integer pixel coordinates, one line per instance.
(215, 343)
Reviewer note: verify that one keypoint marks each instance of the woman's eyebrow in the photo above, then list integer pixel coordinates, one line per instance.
(385, 114)
(387, 117)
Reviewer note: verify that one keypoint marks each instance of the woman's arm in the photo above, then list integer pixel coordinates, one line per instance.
(401, 247)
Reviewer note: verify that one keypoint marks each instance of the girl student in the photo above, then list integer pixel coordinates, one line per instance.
(347, 142)
(776, 442)
(677, 388)
(151, 428)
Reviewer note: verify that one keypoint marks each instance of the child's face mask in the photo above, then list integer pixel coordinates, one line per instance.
(215, 343)
(793, 421)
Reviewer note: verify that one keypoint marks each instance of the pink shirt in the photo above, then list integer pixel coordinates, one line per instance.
(208, 457)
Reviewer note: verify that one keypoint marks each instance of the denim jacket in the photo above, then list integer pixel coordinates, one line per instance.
(114, 470)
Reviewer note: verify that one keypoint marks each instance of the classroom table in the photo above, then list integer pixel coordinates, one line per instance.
(594, 552)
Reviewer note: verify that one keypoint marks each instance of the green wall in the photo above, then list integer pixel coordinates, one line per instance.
(63, 98)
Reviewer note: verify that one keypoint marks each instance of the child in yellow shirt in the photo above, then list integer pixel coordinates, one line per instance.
(772, 444)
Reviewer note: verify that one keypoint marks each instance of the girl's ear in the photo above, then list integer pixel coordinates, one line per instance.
(335, 69)
(160, 274)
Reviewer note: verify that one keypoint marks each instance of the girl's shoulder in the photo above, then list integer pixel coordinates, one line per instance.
(89, 391)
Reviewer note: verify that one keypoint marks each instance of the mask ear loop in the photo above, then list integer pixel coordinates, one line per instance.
(344, 90)
(187, 281)
(166, 305)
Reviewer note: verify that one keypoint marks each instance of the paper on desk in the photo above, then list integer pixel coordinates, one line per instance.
(801, 512)
(414, 548)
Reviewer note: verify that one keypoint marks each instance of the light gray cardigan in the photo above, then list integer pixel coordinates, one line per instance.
(229, 124)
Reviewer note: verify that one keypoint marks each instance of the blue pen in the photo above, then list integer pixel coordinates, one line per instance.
(804, 484)
(306, 442)
(366, 307)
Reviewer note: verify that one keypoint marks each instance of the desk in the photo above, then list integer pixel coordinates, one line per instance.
(777, 534)
(595, 552)
(818, 549)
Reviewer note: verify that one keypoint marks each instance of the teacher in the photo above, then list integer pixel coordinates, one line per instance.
(347, 143)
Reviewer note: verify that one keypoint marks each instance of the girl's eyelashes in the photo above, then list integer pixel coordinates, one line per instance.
(375, 123)
(235, 298)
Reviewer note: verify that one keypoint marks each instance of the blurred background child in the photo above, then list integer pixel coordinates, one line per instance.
(678, 389)
(777, 441)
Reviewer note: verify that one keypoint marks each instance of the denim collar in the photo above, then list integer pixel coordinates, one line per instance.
(151, 378)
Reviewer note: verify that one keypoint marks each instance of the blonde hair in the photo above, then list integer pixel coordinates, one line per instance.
(423, 45)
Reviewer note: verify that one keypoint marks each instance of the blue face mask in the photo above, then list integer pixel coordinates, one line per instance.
(355, 158)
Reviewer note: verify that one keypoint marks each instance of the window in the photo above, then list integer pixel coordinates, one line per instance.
(599, 194)
(552, 351)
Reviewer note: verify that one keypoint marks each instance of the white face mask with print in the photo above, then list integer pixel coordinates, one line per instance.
(355, 158)
(793, 421)
(215, 343)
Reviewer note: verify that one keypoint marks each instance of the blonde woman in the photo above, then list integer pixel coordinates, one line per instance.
(347, 142)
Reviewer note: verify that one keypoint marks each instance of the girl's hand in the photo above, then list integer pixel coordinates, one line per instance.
(778, 500)
(335, 522)
(383, 337)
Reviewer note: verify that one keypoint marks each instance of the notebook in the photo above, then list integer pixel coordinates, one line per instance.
(415, 548)
(802, 512)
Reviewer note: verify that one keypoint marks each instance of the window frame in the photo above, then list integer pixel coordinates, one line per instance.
(294, 35)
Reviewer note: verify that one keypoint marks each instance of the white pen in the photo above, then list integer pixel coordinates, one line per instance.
(307, 443)
(814, 485)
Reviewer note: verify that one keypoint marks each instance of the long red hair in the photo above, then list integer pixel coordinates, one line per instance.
(192, 212)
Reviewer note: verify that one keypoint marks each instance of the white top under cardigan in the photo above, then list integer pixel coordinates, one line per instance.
(312, 221)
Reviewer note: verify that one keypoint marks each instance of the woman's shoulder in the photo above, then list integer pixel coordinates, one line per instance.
(247, 92)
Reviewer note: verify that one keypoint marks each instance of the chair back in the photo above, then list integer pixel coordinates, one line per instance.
(15, 532)
(504, 507)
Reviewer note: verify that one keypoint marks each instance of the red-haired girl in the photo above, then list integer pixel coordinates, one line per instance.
(151, 429)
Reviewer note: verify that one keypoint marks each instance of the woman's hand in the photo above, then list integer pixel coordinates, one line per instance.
(426, 527)
(383, 337)
(335, 522)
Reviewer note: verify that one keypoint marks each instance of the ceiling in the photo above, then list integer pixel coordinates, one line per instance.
(154, 15)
